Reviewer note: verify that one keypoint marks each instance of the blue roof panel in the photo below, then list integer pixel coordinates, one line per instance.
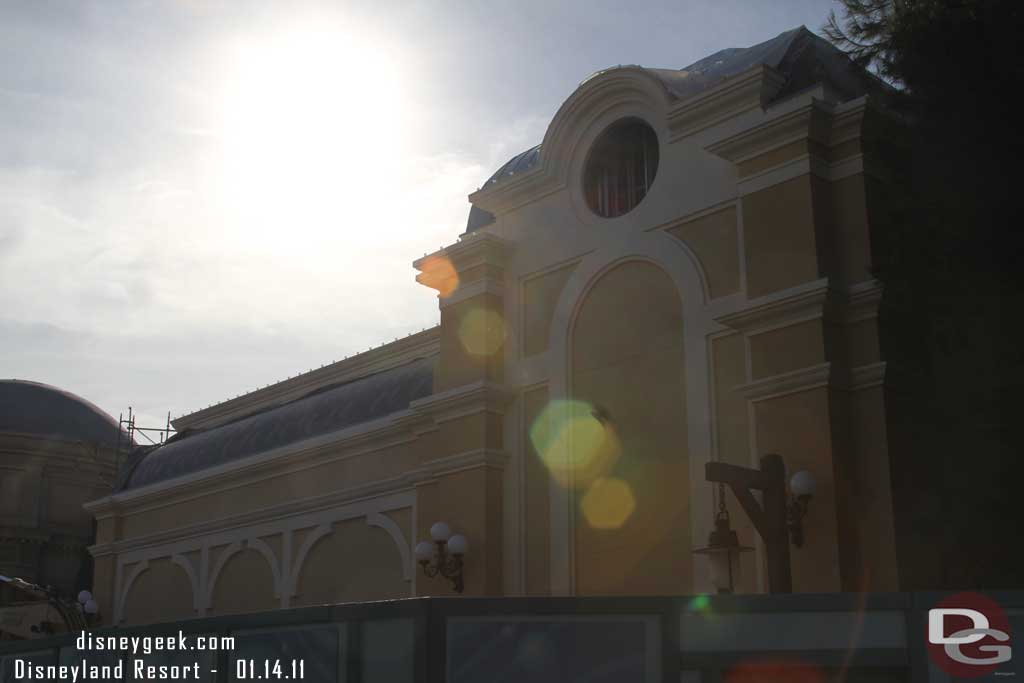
(324, 411)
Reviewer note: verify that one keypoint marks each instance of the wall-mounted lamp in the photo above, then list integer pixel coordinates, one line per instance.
(723, 549)
(801, 490)
(87, 603)
(444, 555)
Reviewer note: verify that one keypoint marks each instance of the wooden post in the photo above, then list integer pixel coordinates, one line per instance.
(780, 576)
(769, 520)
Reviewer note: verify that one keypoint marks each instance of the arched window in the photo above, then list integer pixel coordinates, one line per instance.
(620, 168)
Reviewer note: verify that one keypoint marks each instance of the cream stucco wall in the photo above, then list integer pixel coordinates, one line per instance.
(730, 315)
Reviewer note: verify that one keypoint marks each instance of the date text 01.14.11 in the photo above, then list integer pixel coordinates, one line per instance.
(267, 669)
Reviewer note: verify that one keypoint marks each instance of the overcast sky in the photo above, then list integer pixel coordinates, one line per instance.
(202, 197)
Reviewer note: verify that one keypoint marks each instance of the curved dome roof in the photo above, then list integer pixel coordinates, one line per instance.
(321, 412)
(44, 410)
(798, 55)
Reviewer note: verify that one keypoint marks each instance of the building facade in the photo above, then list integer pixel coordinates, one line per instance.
(57, 451)
(680, 273)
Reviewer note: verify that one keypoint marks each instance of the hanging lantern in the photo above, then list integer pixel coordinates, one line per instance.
(723, 549)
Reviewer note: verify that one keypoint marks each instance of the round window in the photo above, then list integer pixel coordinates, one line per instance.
(620, 168)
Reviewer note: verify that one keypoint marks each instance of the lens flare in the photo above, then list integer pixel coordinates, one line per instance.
(482, 331)
(575, 446)
(535, 653)
(772, 671)
(438, 273)
(700, 603)
(608, 503)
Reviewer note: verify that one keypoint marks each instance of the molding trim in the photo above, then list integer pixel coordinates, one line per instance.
(790, 305)
(683, 268)
(814, 299)
(815, 120)
(866, 376)
(471, 289)
(300, 558)
(222, 559)
(468, 399)
(193, 578)
(285, 570)
(788, 383)
(388, 492)
(573, 121)
(359, 439)
(813, 377)
(259, 545)
(743, 92)
(482, 457)
(800, 166)
(122, 593)
(472, 249)
(382, 521)
(860, 303)
(806, 122)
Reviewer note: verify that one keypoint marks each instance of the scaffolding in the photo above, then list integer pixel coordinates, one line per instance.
(127, 425)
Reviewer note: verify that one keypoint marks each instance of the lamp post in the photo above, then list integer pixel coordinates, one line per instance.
(723, 549)
(777, 519)
(444, 555)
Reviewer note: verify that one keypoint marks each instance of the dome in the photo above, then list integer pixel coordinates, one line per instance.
(44, 410)
(800, 57)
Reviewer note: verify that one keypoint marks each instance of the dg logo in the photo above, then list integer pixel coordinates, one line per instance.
(968, 635)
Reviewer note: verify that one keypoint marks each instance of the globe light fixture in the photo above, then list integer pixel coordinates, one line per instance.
(440, 532)
(444, 555)
(88, 605)
(801, 488)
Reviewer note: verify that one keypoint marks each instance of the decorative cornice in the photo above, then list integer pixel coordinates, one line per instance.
(810, 118)
(751, 89)
(360, 439)
(468, 399)
(859, 302)
(385, 494)
(793, 382)
(370, 362)
(443, 269)
(472, 289)
(58, 452)
(432, 469)
(866, 376)
(813, 377)
(422, 417)
(513, 192)
(809, 121)
(847, 120)
(800, 166)
(807, 300)
(815, 299)
(476, 248)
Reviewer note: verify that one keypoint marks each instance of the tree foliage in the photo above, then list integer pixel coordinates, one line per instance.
(952, 316)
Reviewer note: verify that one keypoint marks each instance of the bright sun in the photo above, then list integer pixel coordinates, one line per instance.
(312, 125)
